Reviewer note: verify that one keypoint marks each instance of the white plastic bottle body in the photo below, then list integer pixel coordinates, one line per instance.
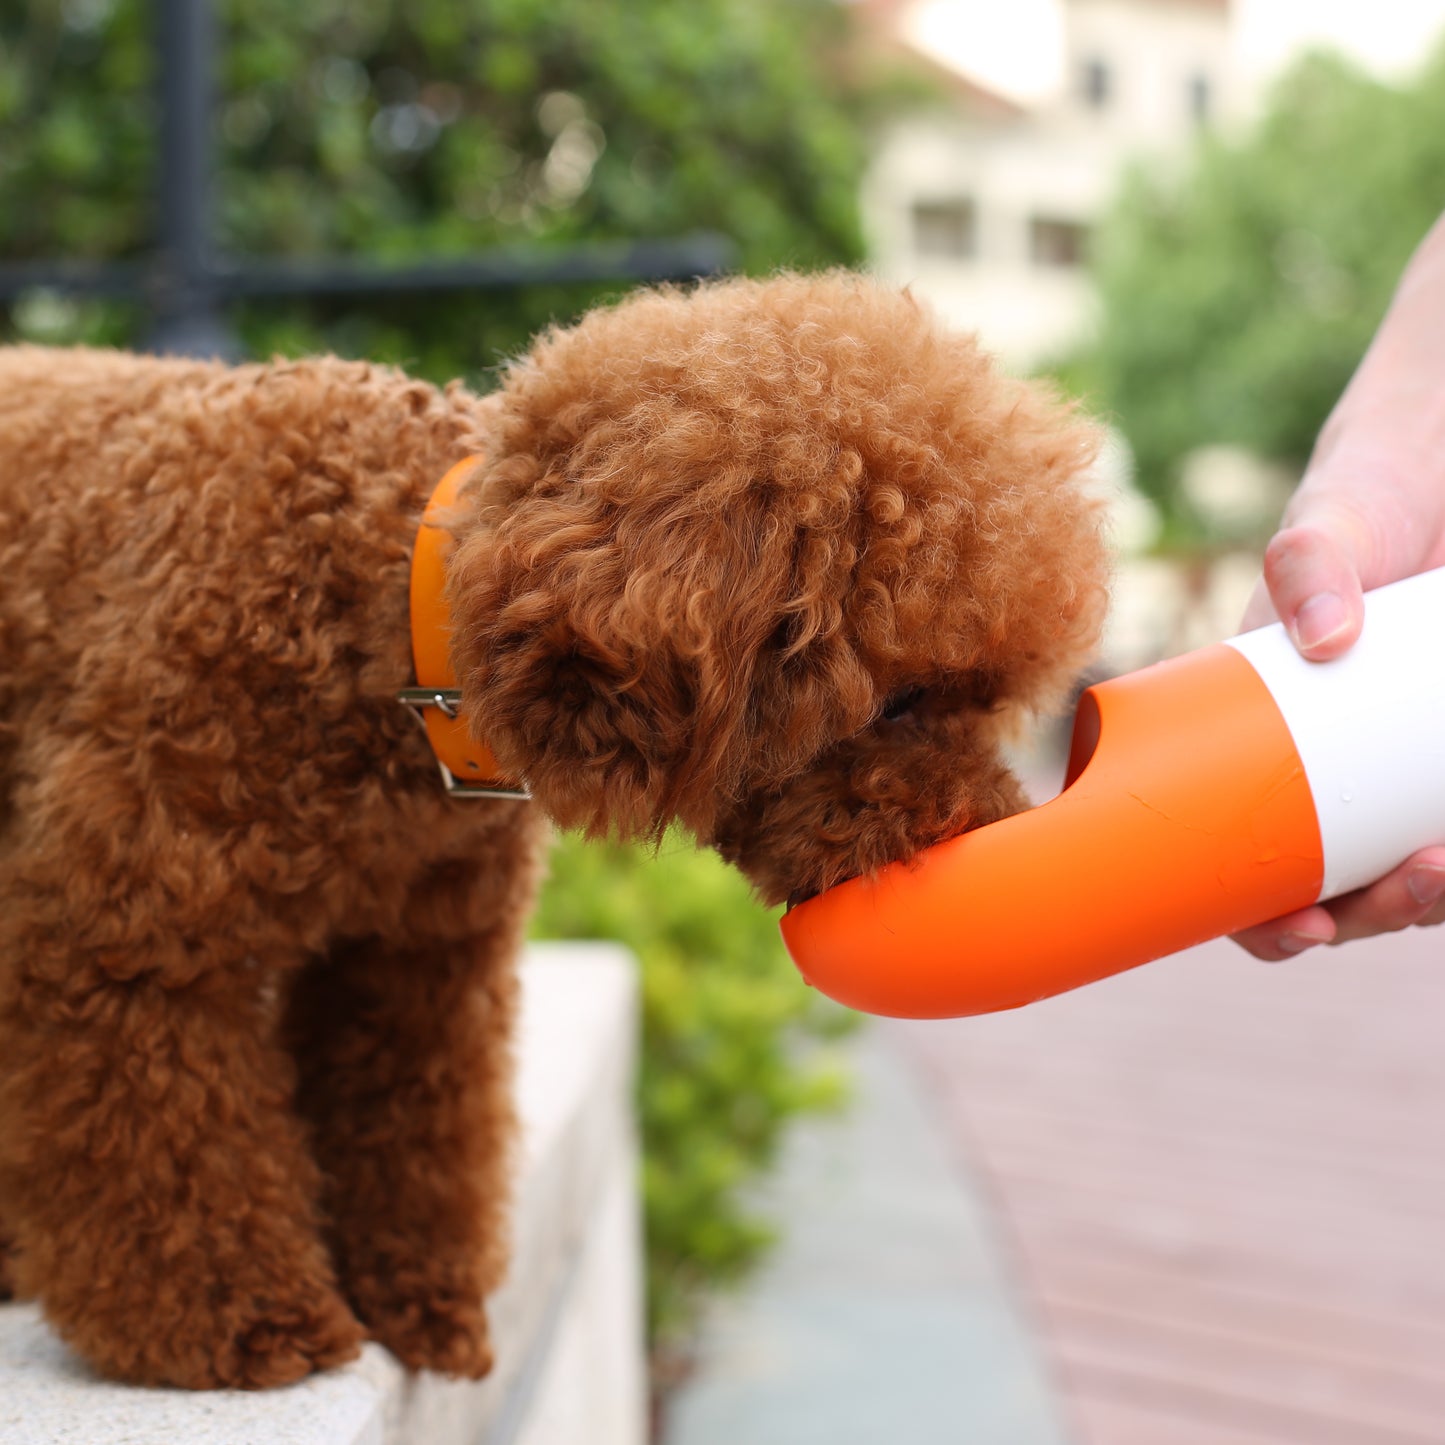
(1369, 728)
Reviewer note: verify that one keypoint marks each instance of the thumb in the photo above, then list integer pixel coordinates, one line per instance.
(1312, 573)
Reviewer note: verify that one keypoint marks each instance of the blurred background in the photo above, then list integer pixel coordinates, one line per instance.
(1189, 213)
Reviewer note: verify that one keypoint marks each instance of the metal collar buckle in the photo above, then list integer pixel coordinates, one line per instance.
(446, 700)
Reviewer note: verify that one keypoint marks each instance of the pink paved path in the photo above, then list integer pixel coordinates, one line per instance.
(1223, 1186)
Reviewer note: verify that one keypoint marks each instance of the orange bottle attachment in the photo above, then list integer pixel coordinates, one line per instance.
(1186, 814)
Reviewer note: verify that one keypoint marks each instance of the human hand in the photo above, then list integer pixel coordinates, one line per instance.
(1370, 510)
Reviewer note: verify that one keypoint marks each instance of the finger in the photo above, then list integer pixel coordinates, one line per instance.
(1414, 893)
(1411, 894)
(1313, 580)
(1289, 935)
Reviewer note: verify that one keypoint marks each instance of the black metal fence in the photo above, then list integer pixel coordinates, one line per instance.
(184, 284)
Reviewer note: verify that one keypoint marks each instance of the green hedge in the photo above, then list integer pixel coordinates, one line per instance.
(734, 1045)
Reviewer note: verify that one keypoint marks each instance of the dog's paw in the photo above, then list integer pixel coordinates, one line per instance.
(229, 1337)
(287, 1342)
(441, 1331)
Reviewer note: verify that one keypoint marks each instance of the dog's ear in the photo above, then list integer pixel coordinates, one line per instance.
(624, 660)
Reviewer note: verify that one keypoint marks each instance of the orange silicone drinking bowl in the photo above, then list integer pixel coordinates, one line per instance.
(1141, 854)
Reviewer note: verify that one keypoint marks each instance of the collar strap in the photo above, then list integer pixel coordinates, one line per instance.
(468, 768)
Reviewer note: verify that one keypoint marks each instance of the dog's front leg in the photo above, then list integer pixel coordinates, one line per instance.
(404, 1049)
(155, 1178)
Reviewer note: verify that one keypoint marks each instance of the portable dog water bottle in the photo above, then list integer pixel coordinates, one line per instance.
(1203, 795)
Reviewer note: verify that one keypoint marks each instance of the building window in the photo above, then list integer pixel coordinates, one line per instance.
(1096, 83)
(1057, 243)
(945, 229)
(1200, 99)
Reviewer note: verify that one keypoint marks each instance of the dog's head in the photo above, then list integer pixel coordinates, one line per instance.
(781, 560)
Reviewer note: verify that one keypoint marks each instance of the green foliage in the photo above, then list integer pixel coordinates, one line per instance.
(730, 1048)
(1238, 299)
(75, 128)
(406, 128)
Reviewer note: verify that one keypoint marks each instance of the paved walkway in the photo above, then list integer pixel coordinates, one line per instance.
(1223, 1186)
(884, 1315)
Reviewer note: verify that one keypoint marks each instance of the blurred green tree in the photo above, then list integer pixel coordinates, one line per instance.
(1238, 298)
(435, 128)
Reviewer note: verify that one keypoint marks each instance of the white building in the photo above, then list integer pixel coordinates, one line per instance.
(984, 204)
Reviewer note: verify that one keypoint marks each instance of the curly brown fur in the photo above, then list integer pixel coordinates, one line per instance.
(255, 967)
(716, 533)
(225, 854)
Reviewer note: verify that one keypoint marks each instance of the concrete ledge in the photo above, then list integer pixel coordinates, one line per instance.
(568, 1321)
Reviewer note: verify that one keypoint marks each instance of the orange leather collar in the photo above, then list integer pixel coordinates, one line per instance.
(468, 768)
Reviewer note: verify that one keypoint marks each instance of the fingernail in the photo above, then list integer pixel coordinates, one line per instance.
(1296, 942)
(1426, 885)
(1319, 619)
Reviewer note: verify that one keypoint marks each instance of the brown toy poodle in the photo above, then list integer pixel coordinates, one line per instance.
(781, 561)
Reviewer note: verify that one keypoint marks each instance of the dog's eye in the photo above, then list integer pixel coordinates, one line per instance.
(902, 703)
